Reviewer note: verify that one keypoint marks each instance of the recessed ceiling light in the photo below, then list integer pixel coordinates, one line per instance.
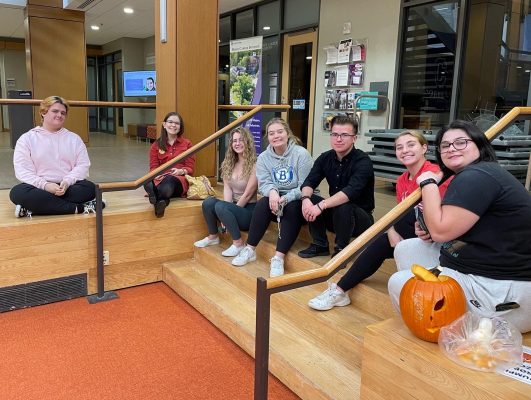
(128, 10)
(527, 70)
(95, 27)
(308, 57)
(266, 28)
(518, 66)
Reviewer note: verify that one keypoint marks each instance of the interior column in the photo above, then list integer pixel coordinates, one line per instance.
(56, 60)
(187, 70)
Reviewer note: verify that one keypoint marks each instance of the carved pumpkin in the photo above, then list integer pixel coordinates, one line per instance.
(428, 302)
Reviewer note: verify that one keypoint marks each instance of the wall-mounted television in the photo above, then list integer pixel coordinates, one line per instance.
(140, 83)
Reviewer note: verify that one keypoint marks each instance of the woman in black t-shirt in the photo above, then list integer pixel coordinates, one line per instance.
(480, 233)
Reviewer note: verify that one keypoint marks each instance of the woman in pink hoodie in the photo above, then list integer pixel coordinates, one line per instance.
(52, 164)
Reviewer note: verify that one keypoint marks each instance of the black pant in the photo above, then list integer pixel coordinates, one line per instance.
(376, 253)
(169, 187)
(41, 202)
(290, 223)
(346, 221)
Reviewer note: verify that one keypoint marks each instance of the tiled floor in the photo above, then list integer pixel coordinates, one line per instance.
(113, 158)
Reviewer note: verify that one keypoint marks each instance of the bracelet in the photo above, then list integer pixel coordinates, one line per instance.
(319, 207)
(428, 181)
(305, 197)
(324, 204)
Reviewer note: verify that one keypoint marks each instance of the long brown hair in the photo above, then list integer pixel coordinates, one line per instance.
(164, 134)
(231, 157)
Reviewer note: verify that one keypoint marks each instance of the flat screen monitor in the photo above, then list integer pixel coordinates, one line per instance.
(140, 83)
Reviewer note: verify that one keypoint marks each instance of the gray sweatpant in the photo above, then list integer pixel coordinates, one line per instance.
(483, 294)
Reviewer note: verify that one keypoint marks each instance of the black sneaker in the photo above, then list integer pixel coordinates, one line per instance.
(89, 207)
(314, 251)
(160, 207)
(149, 188)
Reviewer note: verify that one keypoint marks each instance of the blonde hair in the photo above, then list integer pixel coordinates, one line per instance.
(416, 134)
(50, 101)
(231, 157)
(291, 136)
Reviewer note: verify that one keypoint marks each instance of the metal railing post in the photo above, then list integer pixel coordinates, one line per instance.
(261, 347)
(101, 295)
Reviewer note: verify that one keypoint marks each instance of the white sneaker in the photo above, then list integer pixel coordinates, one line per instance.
(330, 298)
(22, 212)
(276, 267)
(232, 251)
(206, 242)
(246, 255)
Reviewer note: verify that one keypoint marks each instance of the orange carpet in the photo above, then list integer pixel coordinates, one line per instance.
(149, 344)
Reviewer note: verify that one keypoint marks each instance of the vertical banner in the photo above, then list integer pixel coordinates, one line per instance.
(246, 81)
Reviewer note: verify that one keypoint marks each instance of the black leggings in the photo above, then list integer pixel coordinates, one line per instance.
(290, 223)
(169, 187)
(376, 253)
(41, 202)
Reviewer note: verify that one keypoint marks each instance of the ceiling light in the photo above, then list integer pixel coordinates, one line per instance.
(266, 28)
(308, 57)
(518, 66)
(95, 27)
(128, 10)
(527, 70)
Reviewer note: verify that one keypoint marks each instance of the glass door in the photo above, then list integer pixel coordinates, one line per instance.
(298, 83)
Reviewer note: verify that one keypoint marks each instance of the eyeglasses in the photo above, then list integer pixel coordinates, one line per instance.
(343, 136)
(458, 144)
(173, 122)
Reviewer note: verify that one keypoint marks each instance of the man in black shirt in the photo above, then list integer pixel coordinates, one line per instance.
(350, 177)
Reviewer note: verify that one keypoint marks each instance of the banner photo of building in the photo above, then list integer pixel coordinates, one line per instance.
(246, 81)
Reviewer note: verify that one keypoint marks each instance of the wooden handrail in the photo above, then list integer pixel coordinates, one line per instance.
(129, 104)
(82, 103)
(383, 223)
(194, 149)
(251, 107)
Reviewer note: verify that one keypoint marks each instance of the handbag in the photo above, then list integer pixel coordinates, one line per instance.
(199, 187)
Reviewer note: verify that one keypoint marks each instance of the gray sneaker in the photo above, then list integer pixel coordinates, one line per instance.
(245, 256)
(276, 268)
(330, 298)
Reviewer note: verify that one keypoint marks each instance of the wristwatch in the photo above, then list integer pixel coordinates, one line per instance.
(427, 182)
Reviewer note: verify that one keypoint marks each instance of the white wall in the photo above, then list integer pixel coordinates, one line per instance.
(373, 20)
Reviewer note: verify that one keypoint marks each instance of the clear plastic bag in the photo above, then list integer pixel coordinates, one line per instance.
(483, 344)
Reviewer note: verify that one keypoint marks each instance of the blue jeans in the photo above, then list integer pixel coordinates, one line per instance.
(232, 216)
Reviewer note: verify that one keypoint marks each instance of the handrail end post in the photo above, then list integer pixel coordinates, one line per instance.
(261, 349)
(101, 294)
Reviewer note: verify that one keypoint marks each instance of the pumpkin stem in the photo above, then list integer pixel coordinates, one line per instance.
(423, 274)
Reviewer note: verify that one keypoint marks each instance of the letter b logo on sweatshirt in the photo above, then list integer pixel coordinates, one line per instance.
(283, 175)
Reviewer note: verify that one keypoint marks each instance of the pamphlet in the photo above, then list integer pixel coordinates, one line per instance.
(523, 371)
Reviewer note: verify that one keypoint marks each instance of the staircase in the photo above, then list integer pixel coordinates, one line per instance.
(316, 354)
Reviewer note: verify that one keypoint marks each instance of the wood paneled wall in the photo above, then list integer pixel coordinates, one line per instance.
(187, 70)
(56, 58)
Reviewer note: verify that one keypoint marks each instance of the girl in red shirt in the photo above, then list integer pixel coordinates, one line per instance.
(169, 145)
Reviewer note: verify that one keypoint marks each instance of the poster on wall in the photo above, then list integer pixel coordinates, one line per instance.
(343, 51)
(246, 81)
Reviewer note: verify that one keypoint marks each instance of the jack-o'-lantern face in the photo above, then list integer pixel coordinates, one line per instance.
(428, 306)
